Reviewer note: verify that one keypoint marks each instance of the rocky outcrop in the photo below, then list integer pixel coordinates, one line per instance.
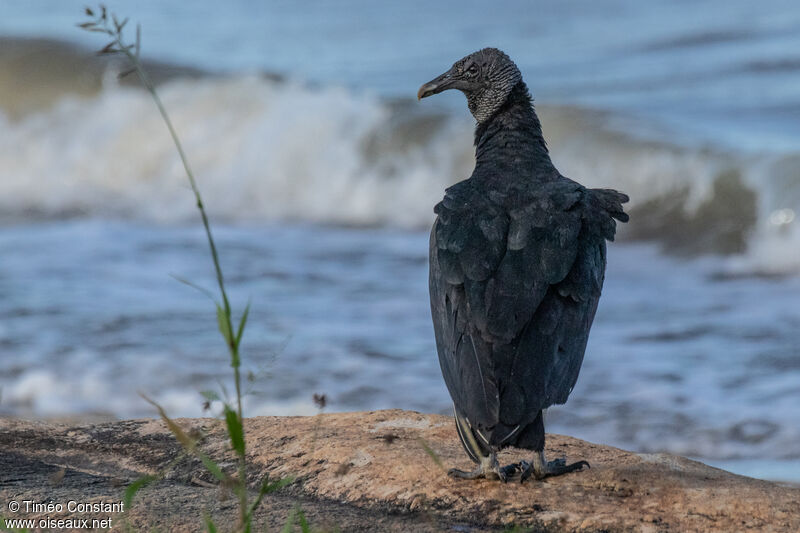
(378, 471)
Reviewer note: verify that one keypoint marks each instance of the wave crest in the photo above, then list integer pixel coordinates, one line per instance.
(264, 150)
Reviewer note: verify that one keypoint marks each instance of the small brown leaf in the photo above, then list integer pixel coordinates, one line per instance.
(320, 400)
(108, 49)
(125, 73)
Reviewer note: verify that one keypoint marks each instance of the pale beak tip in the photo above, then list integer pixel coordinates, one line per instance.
(425, 91)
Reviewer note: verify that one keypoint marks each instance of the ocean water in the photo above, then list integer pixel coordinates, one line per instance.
(320, 172)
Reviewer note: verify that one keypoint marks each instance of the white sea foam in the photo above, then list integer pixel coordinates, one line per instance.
(267, 150)
(676, 361)
(261, 150)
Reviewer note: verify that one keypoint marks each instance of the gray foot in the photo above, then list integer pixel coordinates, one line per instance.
(464, 474)
(487, 468)
(541, 469)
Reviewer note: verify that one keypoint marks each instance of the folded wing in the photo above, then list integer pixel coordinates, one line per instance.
(515, 279)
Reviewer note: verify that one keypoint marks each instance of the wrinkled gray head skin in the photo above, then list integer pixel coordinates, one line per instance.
(486, 77)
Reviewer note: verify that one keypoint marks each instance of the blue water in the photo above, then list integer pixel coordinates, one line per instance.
(718, 71)
(91, 317)
(321, 189)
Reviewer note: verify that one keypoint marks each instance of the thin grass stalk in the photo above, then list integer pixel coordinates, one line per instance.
(233, 342)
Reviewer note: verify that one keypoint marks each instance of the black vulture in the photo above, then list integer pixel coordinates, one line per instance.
(517, 261)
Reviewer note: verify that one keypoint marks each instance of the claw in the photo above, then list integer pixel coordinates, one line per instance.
(508, 471)
(486, 468)
(541, 469)
(525, 466)
(578, 466)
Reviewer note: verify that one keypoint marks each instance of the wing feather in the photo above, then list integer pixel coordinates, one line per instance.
(515, 279)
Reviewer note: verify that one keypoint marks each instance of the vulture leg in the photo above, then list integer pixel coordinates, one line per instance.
(541, 469)
(488, 467)
(480, 452)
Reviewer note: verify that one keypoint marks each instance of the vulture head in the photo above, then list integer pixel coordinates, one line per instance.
(486, 78)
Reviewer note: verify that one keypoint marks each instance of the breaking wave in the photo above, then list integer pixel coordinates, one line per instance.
(269, 149)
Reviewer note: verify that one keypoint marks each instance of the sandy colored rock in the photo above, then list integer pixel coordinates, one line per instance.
(370, 471)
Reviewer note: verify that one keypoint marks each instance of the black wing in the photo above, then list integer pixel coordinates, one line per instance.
(514, 282)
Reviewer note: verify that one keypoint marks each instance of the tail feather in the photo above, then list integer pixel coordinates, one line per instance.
(612, 201)
(473, 443)
(605, 205)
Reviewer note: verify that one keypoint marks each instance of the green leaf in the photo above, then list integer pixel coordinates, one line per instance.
(224, 323)
(210, 527)
(189, 283)
(296, 516)
(242, 323)
(288, 527)
(211, 466)
(301, 516)
(134, 487)
(235, 430)
(188, 443)
(223, 388)
(210, 395)
(4, 527)
(433, 455)
(267, 487)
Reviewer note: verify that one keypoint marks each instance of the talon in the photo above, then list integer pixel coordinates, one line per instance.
(578, 466)
(542, 469)
(508, 471)
(525, 466)
(488, 467)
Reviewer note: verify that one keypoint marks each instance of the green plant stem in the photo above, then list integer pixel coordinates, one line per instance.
(233, 344)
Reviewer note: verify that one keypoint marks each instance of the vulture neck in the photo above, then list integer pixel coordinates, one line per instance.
(511, 140)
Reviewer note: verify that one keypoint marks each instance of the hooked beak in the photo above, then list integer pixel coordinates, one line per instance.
(435, 86)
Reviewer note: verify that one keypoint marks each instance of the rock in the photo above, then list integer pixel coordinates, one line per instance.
(371, 471)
